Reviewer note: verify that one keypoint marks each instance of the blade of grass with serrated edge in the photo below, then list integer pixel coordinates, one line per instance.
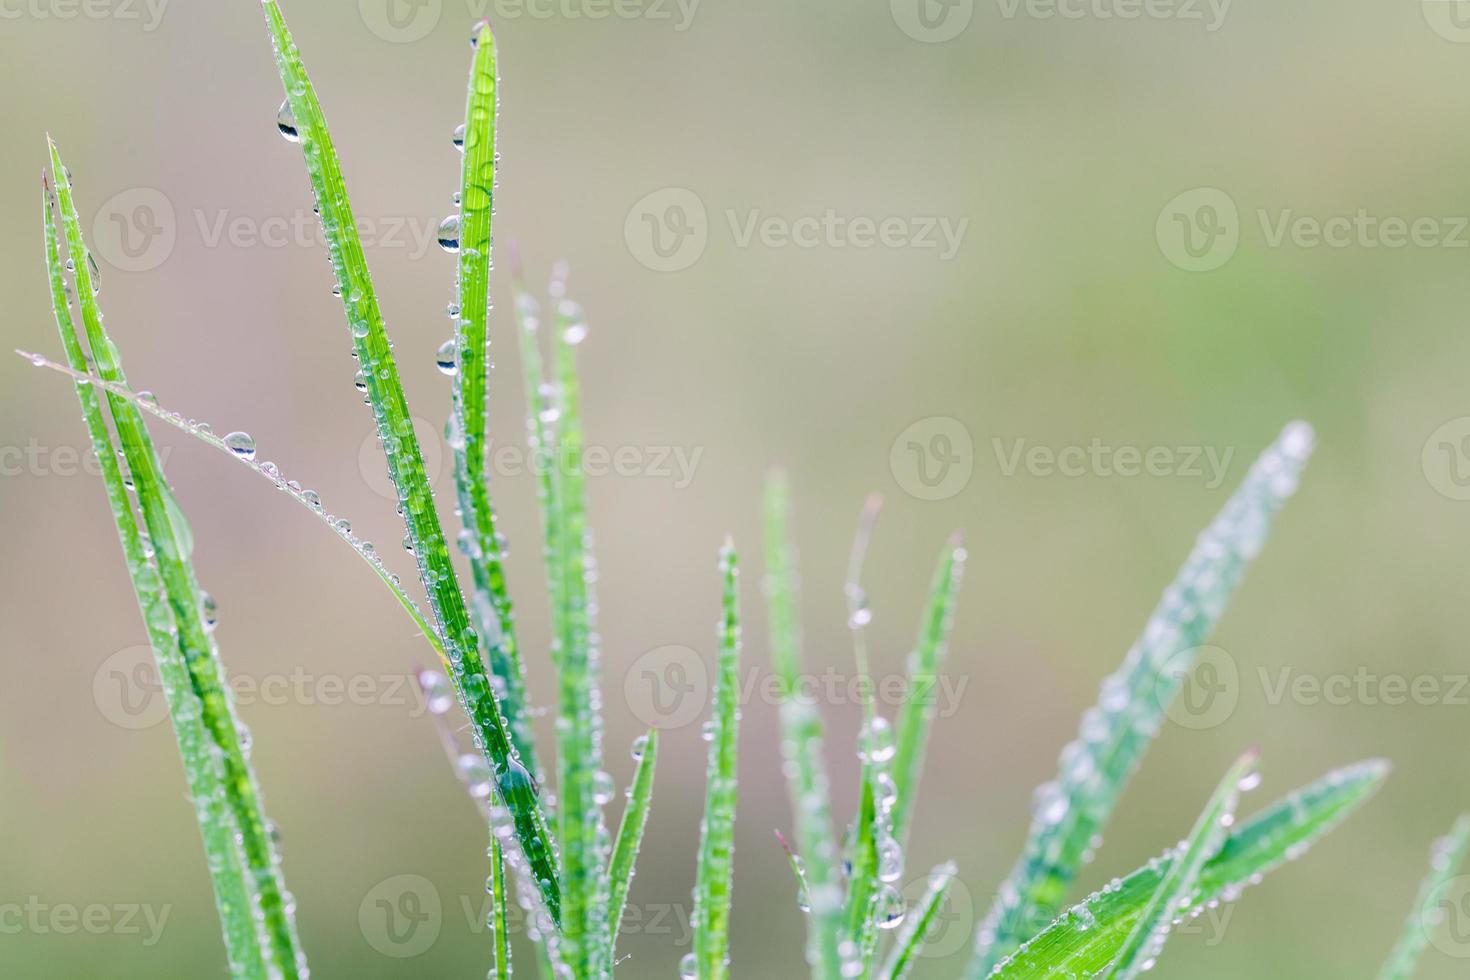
(1146, 940)
(916, 716)
(630, 833)
(1071, 811)
(172, 544)
(513, 782)
(581, 834)
(801, 742)
(493, 612)
(717, 831)
(1445, 860)
(916, 924)
(243, 948)
(1086, 938)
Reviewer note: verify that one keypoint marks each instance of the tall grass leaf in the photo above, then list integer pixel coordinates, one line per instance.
(1085, 939)
(712, 889)
(244, 950)
(1445, 860)
(500, 925)
(916, 924)
(630, 832)
(301, 120)
(173, 546)
(1070, 812)
(801, 743)
(1171, 899)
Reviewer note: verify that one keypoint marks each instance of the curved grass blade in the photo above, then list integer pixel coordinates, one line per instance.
(630, 833)
(1444, 860)
(712, 887)
(244, 950)
(173, 546)
(916, 716)
(916, 924)
(801, 742)
(1146, 940)
(302, 118)
(1071, 811)
(1087, 938)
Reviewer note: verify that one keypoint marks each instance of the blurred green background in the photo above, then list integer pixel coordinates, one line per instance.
(1070, 311)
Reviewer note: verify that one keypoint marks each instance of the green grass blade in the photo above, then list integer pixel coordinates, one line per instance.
(1146, 940)
(1445, 861)
(630, 833)
(243, 948)
(513, 781)
(1071, 812)
(712, 889)
(1088, 937)
(916, 716)
(173, 545)
(801, 742)
(916, 924)
(498, 903)
(493, 612)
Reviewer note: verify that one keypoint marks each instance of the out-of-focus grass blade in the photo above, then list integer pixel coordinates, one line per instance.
(717, 832)
(630, 833)
(1444, 861)
(302, 120)
(173, 546)
(1146, 940)
(916, 716)
(469, 361)
(916, 924)
(243, 947)
(1084, 940)
(1070, 812)
(801, 742)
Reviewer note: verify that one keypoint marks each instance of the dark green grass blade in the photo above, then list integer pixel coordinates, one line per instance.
(1146, 939)
(630, 834)
(916, 924)
(243, 948)
(173, 544)
(801, 743)
(1085, 939)
(514, 783)
(1445, 861)
(1071, 812)
(712, 889)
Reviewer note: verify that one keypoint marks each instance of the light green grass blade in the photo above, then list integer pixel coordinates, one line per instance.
(1444, 862)
(514, 782)
(1087, 938)
(916, 716)
(244, 950)
(173, 547)
(801, 742)
(916, 924)
(712, 889)
(493, 613)
(630, 833)
(499, 898)
(1071, 812)
(1146, 940)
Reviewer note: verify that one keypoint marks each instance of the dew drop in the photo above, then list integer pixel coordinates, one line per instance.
(688, 967)
(449, 233)
(446, 359)
(602, 788)
(286, 122)
(242, 444)
(458, 137)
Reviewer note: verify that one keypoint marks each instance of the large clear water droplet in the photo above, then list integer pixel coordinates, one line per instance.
(449, 233)
(286, 122)
(447, 359)
(458, 137)
(242, 444)
(602, 788)
(688, 967)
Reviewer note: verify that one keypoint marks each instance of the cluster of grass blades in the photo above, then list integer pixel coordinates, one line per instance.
(561, 861)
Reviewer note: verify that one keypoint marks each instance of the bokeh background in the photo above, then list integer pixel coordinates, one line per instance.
(1069, 311)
